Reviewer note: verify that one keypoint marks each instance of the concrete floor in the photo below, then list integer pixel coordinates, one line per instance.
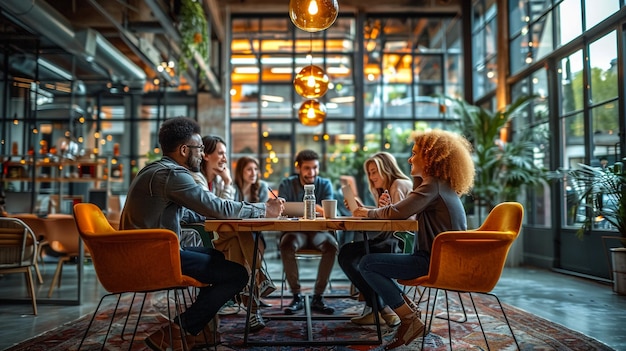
(586, 306)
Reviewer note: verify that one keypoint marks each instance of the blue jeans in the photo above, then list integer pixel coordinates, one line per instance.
(380, 271)
(226, 279)
(350, 256)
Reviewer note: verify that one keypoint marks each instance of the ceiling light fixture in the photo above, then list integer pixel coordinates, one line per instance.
(312, 113)
(313, 15)
(311, 82)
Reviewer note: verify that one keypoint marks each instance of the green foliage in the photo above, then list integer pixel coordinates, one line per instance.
(194, 30)
(345, 160)
(502, 168)
(152, 156)
(604, 87)
(602, 192)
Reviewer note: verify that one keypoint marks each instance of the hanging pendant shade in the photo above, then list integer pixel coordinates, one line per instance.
(313, 15)
(312, 113)
(311, 82)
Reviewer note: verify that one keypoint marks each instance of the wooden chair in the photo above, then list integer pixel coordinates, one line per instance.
(18, 252)
(39, 228)
(131, 261)
(63, 237)
(471, 261)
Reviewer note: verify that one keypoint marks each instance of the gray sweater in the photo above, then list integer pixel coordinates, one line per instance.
(164, 193)
(438, 209)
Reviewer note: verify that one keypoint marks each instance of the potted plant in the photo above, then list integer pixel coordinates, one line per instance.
(603, 194)
(503, 165)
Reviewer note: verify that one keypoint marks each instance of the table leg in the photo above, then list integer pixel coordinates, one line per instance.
(308, 317)
(375, 301)
(251, 286)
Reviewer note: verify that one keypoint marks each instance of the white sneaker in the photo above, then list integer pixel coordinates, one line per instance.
(256, 322)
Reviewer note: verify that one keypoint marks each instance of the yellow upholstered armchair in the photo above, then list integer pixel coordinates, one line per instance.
(472, 261)
(139, 260)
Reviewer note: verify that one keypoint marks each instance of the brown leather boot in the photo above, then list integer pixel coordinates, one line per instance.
(160, 340)
(209, 336)
(410, 328)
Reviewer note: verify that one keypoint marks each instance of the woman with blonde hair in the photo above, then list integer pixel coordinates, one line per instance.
(443, 161)
(388, 185)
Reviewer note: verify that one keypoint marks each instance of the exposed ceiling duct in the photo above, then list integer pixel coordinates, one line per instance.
(86, 44)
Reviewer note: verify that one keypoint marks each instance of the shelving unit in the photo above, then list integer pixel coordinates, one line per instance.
(51, 174)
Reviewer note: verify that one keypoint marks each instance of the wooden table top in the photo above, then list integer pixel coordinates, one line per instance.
(320, 224)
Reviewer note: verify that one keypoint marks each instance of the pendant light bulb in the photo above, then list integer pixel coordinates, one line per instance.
(311, 82)
(312, 113)
(313, 15)
(313, 8)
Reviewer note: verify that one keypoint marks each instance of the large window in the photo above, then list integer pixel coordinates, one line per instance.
(484, 47)
(380, 89)
(585, 89)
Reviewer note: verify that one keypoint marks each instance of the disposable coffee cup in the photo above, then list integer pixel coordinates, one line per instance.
(330, 208)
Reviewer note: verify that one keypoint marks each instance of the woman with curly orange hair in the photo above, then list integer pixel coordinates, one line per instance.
(443, 162)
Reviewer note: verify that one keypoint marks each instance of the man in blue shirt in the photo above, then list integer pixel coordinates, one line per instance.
(292, 189)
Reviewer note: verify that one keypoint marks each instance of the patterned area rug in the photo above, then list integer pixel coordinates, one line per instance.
(532, 333)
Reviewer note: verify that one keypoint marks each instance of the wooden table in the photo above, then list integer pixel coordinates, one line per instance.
(362, 225)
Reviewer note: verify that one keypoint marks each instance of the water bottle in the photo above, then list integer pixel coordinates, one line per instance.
(309, 201)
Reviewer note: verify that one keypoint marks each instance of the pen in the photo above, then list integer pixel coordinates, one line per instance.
(272, 191)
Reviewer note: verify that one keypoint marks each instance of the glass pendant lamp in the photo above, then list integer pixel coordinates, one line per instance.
(313, 15)
(312, 113)
(311, 82)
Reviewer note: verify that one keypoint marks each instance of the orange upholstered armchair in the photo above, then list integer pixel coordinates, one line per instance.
(472, 261)
(139, 260)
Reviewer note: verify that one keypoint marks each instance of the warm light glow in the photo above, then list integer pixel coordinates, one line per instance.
(312, 113)
(313, 15)
(311, 82)
(313, 8)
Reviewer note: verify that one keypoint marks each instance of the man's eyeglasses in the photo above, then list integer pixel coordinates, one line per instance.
(201, 147)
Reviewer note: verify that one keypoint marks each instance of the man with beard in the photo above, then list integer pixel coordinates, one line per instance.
(292, 189)
(162, 195)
